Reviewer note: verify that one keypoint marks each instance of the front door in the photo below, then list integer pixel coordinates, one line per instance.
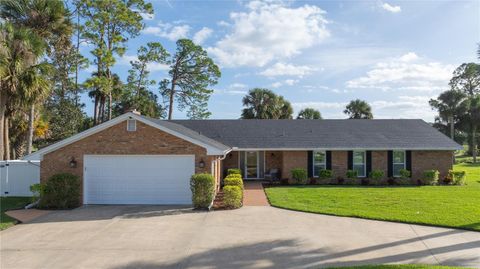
(251, 164)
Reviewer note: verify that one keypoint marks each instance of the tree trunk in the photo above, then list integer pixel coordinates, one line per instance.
(6, 138)
(170, 102)
(452, 127)
(3, 103)
(110, 105)
(95, 111)
(31, 120)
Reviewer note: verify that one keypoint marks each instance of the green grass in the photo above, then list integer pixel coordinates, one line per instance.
(448, 206)
(399, 266)
(7, 203)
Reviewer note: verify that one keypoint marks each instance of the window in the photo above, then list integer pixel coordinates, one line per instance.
(398, 162)
(359, 163)
(319, 162)
(131, 125)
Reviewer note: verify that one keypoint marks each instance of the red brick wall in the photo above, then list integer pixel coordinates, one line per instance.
(380, 162)
(293, 159)
(426, 160)
(339, 163)
(116, 140)
(273, 159)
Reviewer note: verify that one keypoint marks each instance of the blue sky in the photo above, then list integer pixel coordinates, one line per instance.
(394, 54)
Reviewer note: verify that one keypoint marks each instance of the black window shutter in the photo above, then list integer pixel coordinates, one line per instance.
(329, 160)
(350, 160)
(369, 162)
(408, 161)
(390, 164)
(310, 163)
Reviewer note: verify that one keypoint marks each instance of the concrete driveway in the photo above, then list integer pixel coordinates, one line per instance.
(251, 237)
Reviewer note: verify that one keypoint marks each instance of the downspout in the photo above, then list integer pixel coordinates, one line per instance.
(221, 159)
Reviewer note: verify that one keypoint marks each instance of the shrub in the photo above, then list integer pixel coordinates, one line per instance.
(233, 180)
(300, 176)
(37, 191)
(404, 173)
(430, 177)
(325, 173)
(232, 196)
(61, 191)
(458, 177)
(352, 174)
(376, 175)
(234, 171)
(203, 190)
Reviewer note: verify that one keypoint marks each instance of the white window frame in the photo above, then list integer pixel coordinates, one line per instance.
(394, 163)
(258, 165)
(364, 162)
(134, 125)
(313, 161)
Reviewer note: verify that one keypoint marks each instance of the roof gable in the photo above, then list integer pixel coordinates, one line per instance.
(212, 147)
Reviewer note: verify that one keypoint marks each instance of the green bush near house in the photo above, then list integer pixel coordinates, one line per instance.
(203, 190)
(233, 180)
(325, 174)
(404, 173)
(376, 176)
(430, 177)
(61, 191)
(235, 171)
(37, 190)
(351, 174)
(232, 196)
(300, 176)
(457, 177)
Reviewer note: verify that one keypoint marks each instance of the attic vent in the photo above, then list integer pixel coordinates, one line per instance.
(131, 125)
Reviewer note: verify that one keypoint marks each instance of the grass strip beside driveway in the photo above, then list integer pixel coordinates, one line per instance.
(9, 203)
(447, 206)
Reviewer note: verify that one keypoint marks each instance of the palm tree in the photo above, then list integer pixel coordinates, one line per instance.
(19, 50)
(46, 19)
(309, 114)
(472, 123)
(450, 105)
(265, 104)
(358, 109)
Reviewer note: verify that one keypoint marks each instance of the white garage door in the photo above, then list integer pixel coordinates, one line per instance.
(132, 179)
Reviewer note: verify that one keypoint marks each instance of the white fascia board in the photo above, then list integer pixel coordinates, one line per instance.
(38, 155)
(340, 149)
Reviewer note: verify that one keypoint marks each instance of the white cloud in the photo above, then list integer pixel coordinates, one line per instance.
(282, 69)
(390, 8)
(407, 107)
(407, 72)
(276, 84)
(202, 35)
(291, 82)
(270, 31)
(234, 89)
(147, 17)
(152, 67)
(169, 31)
(403, 107)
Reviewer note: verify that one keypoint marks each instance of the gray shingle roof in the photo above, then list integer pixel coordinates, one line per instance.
(322, 134)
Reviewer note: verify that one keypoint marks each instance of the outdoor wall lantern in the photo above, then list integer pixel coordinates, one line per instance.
(73, 163)
(201, 164)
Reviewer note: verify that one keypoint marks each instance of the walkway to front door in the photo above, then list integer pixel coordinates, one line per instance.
(254, 195)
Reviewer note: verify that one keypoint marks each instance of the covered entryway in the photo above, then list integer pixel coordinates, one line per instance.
(138, 179)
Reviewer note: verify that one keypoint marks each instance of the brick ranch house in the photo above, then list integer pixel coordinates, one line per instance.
(133, 159)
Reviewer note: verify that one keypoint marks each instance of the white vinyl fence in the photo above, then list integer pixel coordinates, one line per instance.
(17, 176)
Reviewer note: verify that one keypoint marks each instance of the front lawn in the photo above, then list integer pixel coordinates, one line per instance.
(7, 203)
(449, 206)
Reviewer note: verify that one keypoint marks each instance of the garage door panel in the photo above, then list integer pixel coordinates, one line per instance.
(158, 179)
